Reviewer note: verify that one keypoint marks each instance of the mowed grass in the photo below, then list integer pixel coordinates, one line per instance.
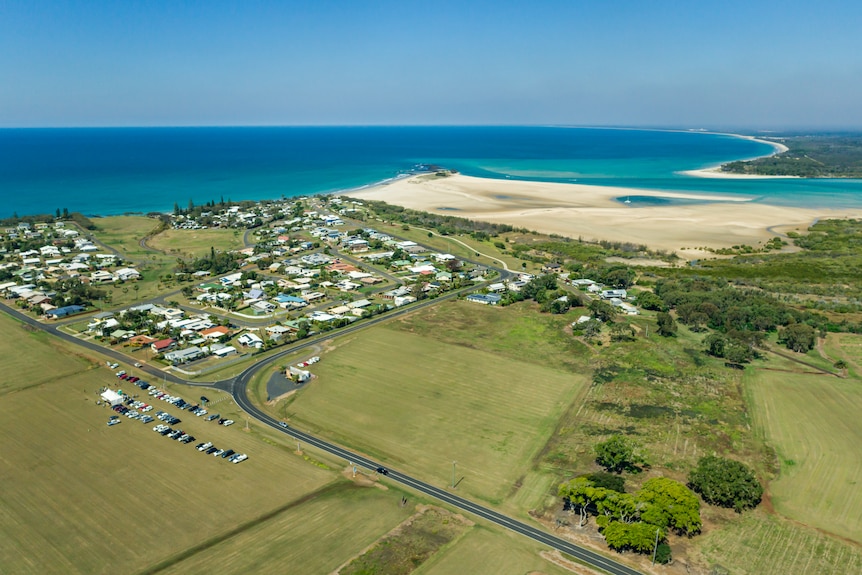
(29, 358)
(846, 346)
(490, 551)
(419, 404)
(80, 497)
(124, 233)
(315, 536)
(761, 544)
(813, 422)
(196, 243)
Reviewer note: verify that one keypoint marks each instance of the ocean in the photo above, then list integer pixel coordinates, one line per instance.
(107, 171)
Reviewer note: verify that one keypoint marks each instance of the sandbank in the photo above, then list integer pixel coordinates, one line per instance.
(596, 212)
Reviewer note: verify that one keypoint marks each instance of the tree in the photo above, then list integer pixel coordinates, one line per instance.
(726, 483)
(798, 337)
(602, 310)
(639, 536)
(670, 504)
(666, 324)
(650, 301)
(608, 481)
(618, 454)
(621, 331)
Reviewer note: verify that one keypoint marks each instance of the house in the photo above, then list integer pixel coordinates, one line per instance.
(403, 300)
(250, 340)
(553, 268)
(163, 345)
(65, 311)
(277, 332)
(262, 307)
(613, 293)
(127, 274)
(215, 332)
(485, 299)
(224, 351)
(184, 355)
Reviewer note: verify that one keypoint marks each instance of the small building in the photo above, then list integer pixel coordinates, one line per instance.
(250, 340)
(613, 293)
(184, 355)
(225, 351)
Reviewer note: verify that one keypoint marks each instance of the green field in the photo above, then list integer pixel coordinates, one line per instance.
(419, 404)
(124, 234)
(813, 423)
(80, 497)
(196, 243)
(315, 536)
(484, 551)
(761, 544)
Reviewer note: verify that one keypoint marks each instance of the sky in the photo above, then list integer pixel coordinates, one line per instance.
(752, 64)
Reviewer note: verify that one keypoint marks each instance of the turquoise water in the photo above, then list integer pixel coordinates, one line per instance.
(111, 171)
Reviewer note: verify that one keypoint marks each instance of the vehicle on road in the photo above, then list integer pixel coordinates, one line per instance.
(283, 424)
(382, 471)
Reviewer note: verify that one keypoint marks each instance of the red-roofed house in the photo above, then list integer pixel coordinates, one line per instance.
(215, 332)
(163, 345)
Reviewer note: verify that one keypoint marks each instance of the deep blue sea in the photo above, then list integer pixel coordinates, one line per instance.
(104, 171)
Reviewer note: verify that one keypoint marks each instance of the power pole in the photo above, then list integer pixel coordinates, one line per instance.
(655, 547)
(454, 463)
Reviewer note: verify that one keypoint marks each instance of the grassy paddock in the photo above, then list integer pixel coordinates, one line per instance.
(124, 234)
(761, 544)
(813, 423)
(418, 404)
(80, 497)
(489, 551)
(196, 243)
(315, 536)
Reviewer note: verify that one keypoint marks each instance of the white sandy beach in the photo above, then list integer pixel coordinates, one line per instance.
(715, 171)
(595, 212)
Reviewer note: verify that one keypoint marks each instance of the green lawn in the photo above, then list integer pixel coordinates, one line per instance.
(124, 234)
(418, 404)
(196, 243)
(813, 422)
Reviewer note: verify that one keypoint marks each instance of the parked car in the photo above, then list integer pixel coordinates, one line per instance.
(205, 446)
(211, 450)
(227, 453)
(213, 416)
(114, 422)
(228, 423)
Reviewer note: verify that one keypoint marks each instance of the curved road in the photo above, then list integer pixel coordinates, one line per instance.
(238, 389)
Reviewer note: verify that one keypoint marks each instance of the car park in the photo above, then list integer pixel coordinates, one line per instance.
(228, 423)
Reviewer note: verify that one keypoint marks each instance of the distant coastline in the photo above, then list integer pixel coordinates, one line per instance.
(716, 172)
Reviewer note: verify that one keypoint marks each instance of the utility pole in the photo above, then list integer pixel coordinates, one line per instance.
(655, 547)
(454, 463)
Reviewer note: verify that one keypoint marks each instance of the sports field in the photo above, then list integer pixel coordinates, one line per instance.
(761, 544)
(196, 243)
(813, 422)
(419, 404)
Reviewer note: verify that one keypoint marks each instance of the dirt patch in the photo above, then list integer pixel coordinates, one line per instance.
(557, 558)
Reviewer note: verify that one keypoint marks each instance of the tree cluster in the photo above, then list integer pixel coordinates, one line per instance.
(618, 454)
(631, 521)
(726, 483)
(216, 263)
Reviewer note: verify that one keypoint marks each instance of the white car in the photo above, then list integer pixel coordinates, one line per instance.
(228, 422)
(200, 412)
(205, 446)
(314, 359)
(242, 457)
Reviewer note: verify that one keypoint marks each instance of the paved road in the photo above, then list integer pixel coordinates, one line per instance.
(238, 388)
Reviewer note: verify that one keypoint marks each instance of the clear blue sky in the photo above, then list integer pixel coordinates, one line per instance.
(732, 64)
